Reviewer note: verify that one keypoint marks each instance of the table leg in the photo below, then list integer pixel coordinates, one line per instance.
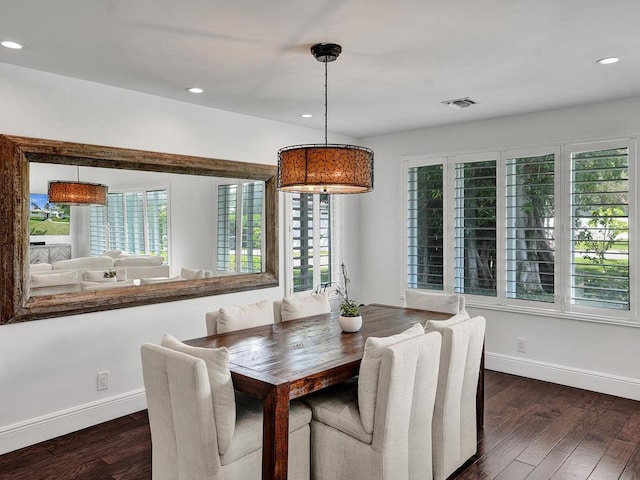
(275, 434)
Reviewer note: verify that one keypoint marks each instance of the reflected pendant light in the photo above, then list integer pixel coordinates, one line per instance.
(325, 168)
(77, 193)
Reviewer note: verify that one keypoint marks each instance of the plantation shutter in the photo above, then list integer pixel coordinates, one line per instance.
(425, 222)
(156, 216)
(240, 242)
(302, 227)
(530, 228)
(311, 239)
(226, 228)
(325, 253)
(116, 222)
(97, 230)
(600, 228)
(252, 211)
(475, 232)
(134, 222)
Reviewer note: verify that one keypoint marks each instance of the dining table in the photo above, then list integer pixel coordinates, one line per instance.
(284, 361)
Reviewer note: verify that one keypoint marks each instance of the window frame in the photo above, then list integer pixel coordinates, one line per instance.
(561, 306)
(560, 239)
(143, 190)
(457, 222)
(448, 224)
(239, 184)
(630, 144)
(336, 213)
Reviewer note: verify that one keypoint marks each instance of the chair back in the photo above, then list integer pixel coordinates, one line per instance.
(424, 397)
(299, 306)
(211, 319)
(404, 406)
(183, 431)
(454, 422)
(434, 302)
(231, 319)
(277, 311)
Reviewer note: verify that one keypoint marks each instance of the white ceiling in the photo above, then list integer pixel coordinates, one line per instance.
(400, 58)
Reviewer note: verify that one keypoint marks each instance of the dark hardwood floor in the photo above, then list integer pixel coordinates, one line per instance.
(533, 430)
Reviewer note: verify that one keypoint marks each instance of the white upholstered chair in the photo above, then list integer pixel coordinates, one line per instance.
(199, 430)
(231, 319)
(433, 301)
(379, 428)
(299, 306)
(455, 433)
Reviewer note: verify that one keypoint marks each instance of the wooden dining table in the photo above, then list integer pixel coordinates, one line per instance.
(280, 362)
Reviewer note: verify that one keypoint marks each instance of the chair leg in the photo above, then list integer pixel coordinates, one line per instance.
(480, 395)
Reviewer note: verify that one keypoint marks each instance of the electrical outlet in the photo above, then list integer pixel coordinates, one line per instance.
(103, 380)
(521, 345)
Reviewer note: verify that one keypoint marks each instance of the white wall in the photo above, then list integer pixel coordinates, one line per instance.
(48, 367)
(597, 356)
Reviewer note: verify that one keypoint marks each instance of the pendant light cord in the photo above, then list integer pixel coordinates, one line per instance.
(325, 102)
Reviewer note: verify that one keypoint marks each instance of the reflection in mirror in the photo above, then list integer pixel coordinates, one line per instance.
(174, 227)
(156, 227)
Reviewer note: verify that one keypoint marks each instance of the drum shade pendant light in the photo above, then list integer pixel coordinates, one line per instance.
(77, 193)
(325, 168)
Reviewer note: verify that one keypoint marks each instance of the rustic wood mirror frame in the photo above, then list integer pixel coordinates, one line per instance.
(15, 155)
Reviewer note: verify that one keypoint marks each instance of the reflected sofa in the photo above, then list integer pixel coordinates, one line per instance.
(88, 273)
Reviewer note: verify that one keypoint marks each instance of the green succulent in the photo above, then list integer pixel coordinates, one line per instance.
(349, 308)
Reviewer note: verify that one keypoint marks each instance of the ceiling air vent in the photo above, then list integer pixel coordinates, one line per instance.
(460, 102)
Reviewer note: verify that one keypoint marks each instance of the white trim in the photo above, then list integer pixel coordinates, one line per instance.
(62, 422)
(574, 377)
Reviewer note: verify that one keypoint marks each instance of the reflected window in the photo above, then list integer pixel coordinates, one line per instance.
(240, 243)
(135, 222)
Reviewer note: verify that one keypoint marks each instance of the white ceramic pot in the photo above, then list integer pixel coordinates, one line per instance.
(350, 324)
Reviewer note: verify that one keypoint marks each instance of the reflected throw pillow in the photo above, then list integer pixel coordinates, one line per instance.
(191, 274)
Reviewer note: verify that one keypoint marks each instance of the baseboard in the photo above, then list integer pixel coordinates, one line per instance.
(35, 430)
(574, 377)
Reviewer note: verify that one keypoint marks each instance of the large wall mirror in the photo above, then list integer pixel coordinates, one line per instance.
(174, 227)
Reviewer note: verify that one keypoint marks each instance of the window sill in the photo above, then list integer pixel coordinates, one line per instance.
(542, 312)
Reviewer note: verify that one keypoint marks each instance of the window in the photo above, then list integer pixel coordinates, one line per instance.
(239, 227)
(426, 227)
(600, 228)
(133, 221)
(312, 241)
(546, 227)
(530, 227)
(475, 233)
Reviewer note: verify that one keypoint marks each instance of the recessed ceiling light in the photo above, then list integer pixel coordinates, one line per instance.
(306, 115)
(10, 44)
(608, 60)
(195, 90)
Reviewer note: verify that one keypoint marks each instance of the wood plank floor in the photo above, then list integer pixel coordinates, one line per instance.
(533, 430)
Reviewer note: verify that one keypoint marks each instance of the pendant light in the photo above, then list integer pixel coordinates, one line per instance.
(77, 193)
(325, 168)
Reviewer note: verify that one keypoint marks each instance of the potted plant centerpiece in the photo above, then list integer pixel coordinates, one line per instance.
(350, 318)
